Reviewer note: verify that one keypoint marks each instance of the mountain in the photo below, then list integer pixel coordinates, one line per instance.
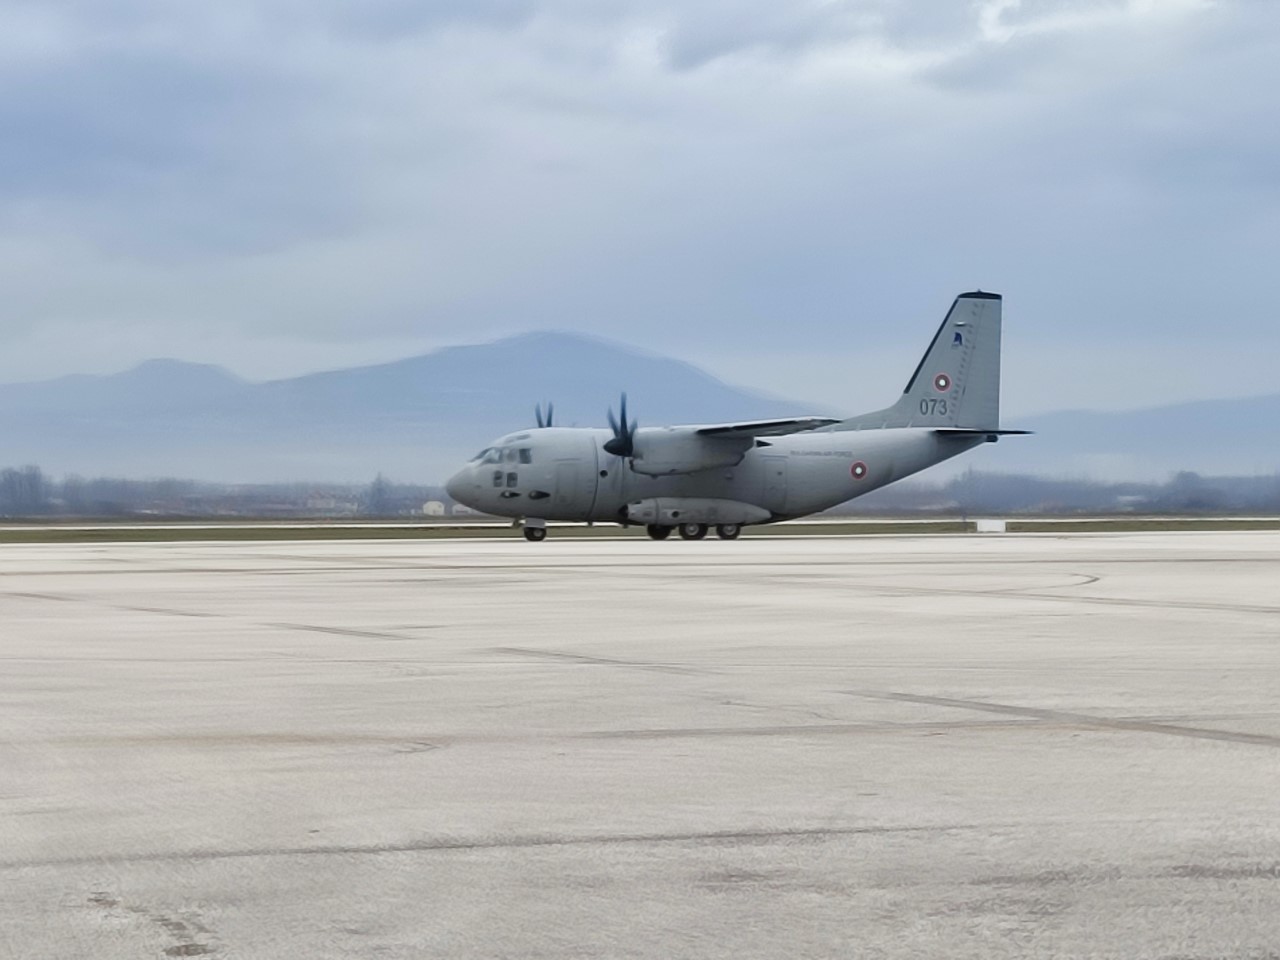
(412, 419)
(415, 419)
(1212, 437)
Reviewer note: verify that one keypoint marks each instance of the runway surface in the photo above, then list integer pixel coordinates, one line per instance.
(877, 747)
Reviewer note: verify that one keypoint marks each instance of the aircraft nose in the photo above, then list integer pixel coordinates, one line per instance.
(457, 486)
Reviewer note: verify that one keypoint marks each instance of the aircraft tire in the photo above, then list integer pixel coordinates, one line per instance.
(693, 531)
(729, 531)
(535, 534)
(657, 531)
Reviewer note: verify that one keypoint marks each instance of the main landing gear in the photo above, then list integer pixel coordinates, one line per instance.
(694, 531)
(535, 531)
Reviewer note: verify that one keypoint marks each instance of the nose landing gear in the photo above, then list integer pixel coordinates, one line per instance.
(535, 531)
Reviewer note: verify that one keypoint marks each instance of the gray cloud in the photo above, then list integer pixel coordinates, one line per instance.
(292, 185)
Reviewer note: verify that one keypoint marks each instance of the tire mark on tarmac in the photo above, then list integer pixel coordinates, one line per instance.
(1078, 719)
(203, 615)
(338, 631)
(183, 932)
(565, 656)
(424, 741)
(517, 842)
(1015, 593)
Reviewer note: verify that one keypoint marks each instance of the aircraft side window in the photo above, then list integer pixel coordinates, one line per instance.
(526, 455)
(497, 478)
(512, 479)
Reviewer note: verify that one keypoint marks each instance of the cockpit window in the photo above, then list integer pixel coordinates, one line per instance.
(511, 454)
(479, 457)
(492, 455)
(526, 455)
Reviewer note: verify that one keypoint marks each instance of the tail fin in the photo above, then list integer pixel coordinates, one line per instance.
(957, 383)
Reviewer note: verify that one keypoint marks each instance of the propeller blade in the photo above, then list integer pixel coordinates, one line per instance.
(623, 442)
(537, 413)
(550, 412)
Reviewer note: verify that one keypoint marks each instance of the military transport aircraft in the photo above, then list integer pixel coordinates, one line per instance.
(728, 475)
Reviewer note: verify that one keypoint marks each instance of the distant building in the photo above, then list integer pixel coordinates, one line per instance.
(433, 508)
(460, 511)
(331, 506)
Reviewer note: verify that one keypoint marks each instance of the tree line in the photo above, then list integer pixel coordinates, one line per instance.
(27, 492)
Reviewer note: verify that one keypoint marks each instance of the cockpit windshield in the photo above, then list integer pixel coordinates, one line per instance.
(488, 455)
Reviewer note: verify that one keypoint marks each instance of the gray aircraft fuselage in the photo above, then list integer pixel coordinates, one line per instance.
(793, 476)
(729, 475)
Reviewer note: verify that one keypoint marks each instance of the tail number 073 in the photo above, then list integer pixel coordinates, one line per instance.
(933, 408)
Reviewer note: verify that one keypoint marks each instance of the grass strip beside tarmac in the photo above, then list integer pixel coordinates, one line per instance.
(234, 532)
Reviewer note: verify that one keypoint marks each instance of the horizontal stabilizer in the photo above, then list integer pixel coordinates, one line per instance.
(991, 436)
(973, 432)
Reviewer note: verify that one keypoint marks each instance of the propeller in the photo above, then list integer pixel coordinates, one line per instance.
(537, 412)
(624, 434)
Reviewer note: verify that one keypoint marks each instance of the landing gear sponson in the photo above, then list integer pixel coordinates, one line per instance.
(535, 531)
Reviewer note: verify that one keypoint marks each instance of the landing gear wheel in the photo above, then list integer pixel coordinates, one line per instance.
(693, 531)
(657, 532)
(728, 531)
(535, 534)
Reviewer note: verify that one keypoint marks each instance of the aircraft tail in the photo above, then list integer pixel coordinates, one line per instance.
(957, 384)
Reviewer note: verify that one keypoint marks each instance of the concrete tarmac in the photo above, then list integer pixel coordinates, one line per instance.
(966, 746)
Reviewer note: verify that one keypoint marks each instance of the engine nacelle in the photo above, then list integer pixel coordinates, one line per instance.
(672, 511)
(663, 451)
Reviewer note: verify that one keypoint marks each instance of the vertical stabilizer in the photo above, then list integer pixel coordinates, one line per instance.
(957, 383)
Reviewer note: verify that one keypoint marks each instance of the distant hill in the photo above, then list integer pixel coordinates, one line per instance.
(415, 419)
(1211, 437)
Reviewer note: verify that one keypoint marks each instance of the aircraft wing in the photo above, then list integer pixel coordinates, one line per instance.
(764, 428)
(662, 451)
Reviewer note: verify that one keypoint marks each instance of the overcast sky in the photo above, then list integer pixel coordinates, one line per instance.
(788, 194)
